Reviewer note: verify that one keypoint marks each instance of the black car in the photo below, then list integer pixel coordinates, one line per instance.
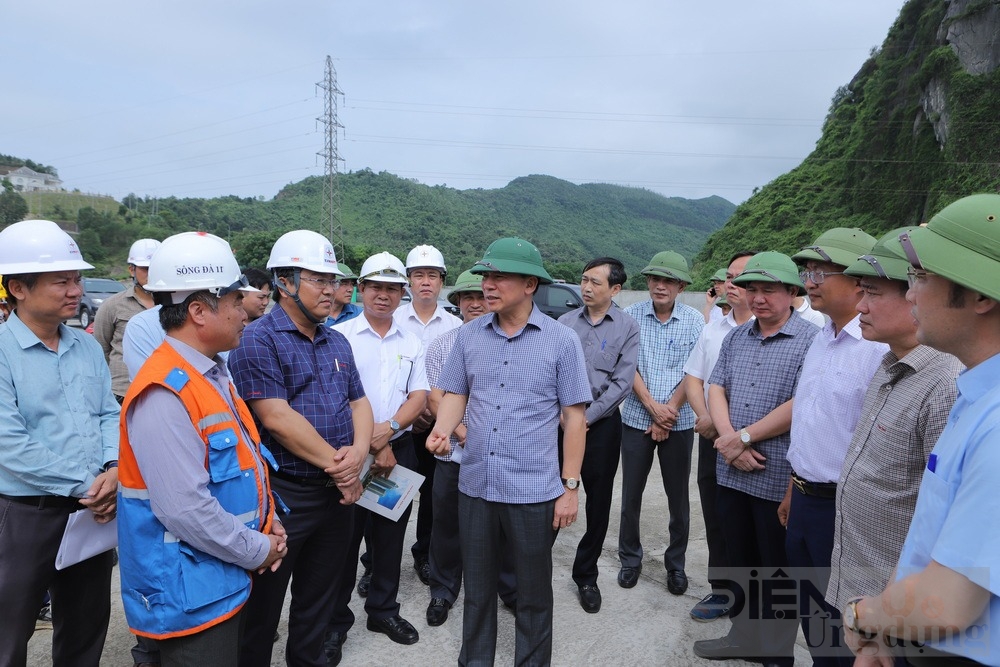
(556, 299)
(95, 291)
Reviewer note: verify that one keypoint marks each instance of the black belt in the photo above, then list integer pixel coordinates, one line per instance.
(825, 490)
(45, 502)
(304, 481)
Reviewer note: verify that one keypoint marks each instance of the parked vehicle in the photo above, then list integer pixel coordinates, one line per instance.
(557, 299)
(95, 291)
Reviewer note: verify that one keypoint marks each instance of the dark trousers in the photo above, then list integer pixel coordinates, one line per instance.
(674, 454)
(81, 594)
(708, 490)
(446, 551)
(755, 539)
(385, 544)
(426, 466)
(217, 646)
(485, 529)
(600, 465)
(809, 545)
(319, 530)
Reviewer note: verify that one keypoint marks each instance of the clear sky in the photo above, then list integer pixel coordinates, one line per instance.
(206, 99)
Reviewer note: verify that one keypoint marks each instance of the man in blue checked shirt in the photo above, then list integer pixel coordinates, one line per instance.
(519, 372)
(657, 418)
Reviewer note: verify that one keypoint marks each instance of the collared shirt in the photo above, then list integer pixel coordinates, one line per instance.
(706, 350)
(58, 417)
(664, 348)
(516, 386)
(143, 334)
(956, 522)
(441, 322)
(390, 367)
(832, 385)
(611, 350)
(317, 377)
(437, 354)
(905, 410)
(759, 374)
(109, 330)
(348, 312)
(171, 456)
(810, 314)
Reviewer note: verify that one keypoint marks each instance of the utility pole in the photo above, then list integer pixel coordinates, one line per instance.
(330, 204)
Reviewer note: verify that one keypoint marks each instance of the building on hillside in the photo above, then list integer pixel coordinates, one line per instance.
(28, 180)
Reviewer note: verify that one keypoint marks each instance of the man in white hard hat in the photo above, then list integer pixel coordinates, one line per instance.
(424, 316)
(59, 429)
(195, 509)
(118, 309)
(300, 380)
(391, 363)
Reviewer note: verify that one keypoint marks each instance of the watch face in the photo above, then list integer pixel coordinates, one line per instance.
(571, 483)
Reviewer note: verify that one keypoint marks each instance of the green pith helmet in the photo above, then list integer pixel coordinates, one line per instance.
(886, 259)
(840, 245)
(722, 301)
(466, 282)
(346, 270)
(668, 264)
(513, 255)
(719, 276)
(771, 267)
(962, 244)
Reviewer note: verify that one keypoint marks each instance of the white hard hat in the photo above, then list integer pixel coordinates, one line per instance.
(38, 246)
(425, 256)
(306, 250)
(383, 268)
(142, 251)
(194, 261)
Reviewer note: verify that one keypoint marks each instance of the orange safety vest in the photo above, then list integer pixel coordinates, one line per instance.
(169, 588)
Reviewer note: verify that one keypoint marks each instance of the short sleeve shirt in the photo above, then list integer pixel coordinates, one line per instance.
(318, 378)
(759, 374)
(516, 386)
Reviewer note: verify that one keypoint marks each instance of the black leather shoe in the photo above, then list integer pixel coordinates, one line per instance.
(590, 598)
(628, 577)
(333, 647)
(423, 568)
(397, 628)
(437, 611)
(722, 649)
(364, 583)
(677, 582)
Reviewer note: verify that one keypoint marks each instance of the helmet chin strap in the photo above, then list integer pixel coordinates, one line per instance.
(295, 297)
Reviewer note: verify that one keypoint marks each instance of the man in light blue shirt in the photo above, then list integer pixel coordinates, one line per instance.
(656, 417)
(946, 592)
(58, 448)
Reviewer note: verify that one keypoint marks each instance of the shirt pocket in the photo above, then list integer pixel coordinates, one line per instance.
(223, 463)
(934, 502)
(403, 377)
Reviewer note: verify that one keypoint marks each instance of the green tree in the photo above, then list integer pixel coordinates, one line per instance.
(13, 208)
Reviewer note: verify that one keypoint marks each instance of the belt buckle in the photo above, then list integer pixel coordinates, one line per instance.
(330, 482)
(799, 484)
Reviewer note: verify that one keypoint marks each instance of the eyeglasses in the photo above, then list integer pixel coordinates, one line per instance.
(817, 277)
(223, 291)
(915, 275)
(322, 283)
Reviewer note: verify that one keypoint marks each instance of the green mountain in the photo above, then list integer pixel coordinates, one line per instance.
(913, 131)
(569, 223)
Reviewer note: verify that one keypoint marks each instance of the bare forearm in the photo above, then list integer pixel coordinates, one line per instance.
(718, 407)
(695, 389)
(772, 424)
(574, 440)
(450, 413)
(415, 403)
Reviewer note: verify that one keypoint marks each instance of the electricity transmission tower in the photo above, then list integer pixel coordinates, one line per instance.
(330, 204)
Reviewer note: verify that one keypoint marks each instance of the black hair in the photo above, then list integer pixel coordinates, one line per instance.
(616, 270)
(741, 253)
(28, 279)
(258, 278)
(174, 315)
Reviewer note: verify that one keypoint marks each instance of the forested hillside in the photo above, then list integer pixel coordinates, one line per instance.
(914, 130)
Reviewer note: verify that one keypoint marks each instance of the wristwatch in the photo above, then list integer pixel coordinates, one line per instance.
(745, 437)
(570, 482)
(852, 619)
(394, 426)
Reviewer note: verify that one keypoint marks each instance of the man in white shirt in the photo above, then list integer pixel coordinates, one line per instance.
(391, 364)
(424, 317)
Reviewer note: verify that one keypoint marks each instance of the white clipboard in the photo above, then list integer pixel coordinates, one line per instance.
(85, 538)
